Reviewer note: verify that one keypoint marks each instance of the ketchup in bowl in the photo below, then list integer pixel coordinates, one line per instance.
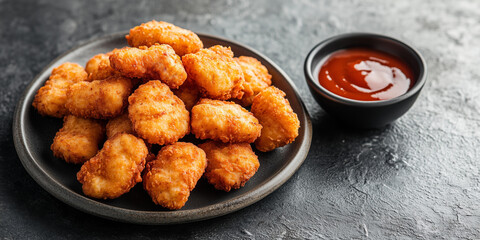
(365, 74)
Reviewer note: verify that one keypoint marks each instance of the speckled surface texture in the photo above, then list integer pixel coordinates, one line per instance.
(418, 178)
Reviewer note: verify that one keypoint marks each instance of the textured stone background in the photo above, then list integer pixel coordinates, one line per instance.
(417, 178)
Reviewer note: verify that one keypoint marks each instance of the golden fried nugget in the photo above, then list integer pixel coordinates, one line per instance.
(256, 76)
(156, 62)
(147, 34)
(157, 115)
(78, 139)
(170, 178)
(189, 93)
(224, 121)
(115, 169)
(120, 124)
(215, 72)
(280, 123)
(229, 166)
(98, 67)
(50, 99)
(100, 99)
(150, 157)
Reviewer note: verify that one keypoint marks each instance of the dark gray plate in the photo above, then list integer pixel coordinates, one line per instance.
(33, 135)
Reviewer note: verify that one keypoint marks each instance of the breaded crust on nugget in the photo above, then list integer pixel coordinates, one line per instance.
(157, 115)
(170, 178)
(120, 124)
(115, 169)
(156, 62)
(229, 166)
(224, 121)
(280, 123)
(100, 99)
(98, 67)
(215, 72)
(189, 93)
(147, 34)
(50, 99)
(256, 76)
(78, 139)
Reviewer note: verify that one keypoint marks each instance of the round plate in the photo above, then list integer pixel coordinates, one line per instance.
(33, 135)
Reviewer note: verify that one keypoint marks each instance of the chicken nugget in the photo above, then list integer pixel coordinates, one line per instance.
(115, 169)
(98, 67)
(78, 139)
(156, 62)
(256, 76)
(189, 93)
(157, 115)
(120, 124)
(170, 178)
(100, 99)
(229, 166)
(50, 99)
(215, 72)
(280, 123)
(224, 121)
(147, 34)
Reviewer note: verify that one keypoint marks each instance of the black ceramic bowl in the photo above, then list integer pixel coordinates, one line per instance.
(364, 114)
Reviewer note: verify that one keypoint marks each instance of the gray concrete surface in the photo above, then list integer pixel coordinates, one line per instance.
(415, 179)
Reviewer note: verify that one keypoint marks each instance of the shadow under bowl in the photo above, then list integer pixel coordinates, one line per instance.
(364, 114)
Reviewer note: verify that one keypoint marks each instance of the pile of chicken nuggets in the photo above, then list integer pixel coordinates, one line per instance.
(155, 92)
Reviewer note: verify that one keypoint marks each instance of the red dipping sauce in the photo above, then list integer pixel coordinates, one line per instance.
(365, 74)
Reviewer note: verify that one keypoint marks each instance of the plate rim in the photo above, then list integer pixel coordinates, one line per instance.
(103, 210)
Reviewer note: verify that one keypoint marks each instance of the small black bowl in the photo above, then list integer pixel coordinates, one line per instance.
(364, 114)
